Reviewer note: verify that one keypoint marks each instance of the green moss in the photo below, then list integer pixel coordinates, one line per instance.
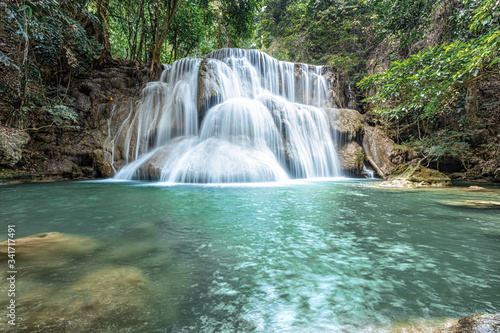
(359, 159)
(9, 175)
(419, 174)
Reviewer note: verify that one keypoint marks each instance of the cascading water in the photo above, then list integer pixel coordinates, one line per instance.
(235, 116)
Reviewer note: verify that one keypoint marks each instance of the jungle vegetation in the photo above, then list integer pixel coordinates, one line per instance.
(415, 64)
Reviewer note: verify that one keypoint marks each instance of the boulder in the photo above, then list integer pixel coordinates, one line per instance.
(12, 142)
(154, 165)
(414, 175)
(102, 163)
(379, 151)
(109, 299)
(484, 170)
(347, 123)
(481, 323)
(352, 158)
(48, 245)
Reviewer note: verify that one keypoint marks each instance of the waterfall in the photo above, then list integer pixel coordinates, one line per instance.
(233, 116)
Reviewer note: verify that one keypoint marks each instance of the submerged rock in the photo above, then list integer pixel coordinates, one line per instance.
(481, 323)
(109, 299)
(419, 326)
(12, 142)
(473, 203)
(49, 245)
(408, 175)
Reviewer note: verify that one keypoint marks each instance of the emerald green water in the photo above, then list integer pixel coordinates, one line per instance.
(302, 257)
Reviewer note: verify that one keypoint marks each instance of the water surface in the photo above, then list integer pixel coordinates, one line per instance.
(301, 257)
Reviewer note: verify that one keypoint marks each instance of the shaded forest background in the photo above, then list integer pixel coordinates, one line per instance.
(427, 72)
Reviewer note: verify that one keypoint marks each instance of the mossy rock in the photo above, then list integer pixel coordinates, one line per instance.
(412, 175)
(351, 158)
(14, 175)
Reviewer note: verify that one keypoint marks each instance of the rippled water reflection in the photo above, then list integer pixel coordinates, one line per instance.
(306, 257)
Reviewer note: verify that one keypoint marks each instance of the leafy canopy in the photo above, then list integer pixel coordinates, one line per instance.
(430, 82)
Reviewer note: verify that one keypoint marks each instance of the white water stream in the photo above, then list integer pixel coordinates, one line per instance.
(237, 116)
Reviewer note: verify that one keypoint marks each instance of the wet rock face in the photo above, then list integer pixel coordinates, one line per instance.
(351, 158)
(11, 145)
(347, 124)
(361, 144)
(102, 166)
(339, 90)
(379, 150)
(154, 165)
(208, 87)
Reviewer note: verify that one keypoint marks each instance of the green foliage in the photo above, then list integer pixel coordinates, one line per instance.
(407, 20)
(51, 43)
(62, 115)
(333, 32)
(238, 20)
(431, 81)
(127, 28)
(198, 27)
(446, 144)
(54, 33)
(191, 26)
(6, 61)
(51, 109)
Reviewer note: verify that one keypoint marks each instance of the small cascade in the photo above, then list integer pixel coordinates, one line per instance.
(369, 173)
(234, 116)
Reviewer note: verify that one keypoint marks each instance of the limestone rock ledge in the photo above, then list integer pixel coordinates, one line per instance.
(409, 175)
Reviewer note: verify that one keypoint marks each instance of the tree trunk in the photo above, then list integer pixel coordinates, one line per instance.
(472, 105)
(156, 61)
(100, 35)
